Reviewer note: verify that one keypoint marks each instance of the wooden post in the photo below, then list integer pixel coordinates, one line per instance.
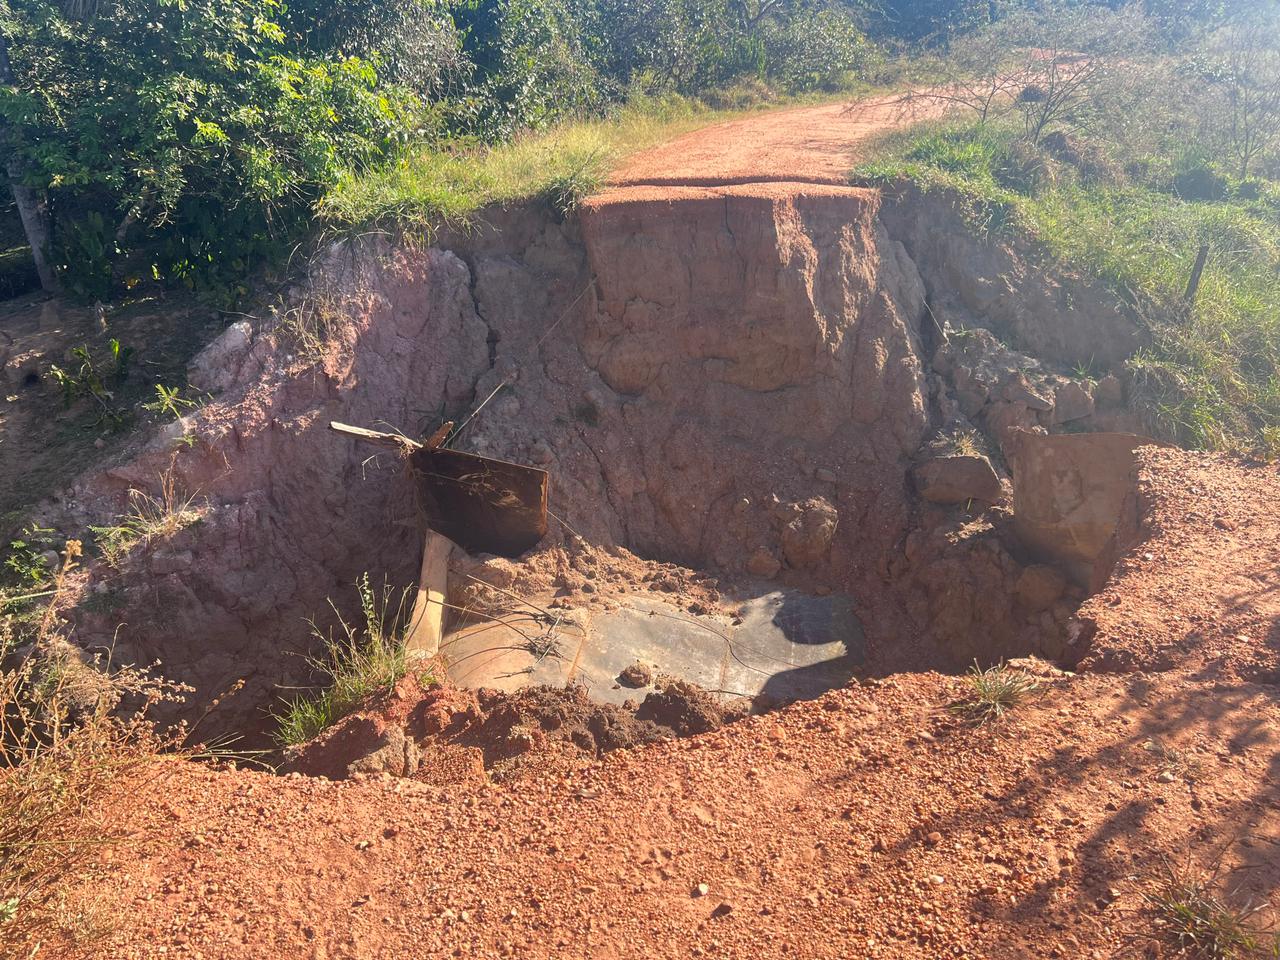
(426, 629)
(1197, 274)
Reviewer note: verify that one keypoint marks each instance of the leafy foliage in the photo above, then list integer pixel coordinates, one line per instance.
(181, 140)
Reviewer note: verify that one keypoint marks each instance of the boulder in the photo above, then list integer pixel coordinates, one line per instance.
(957, 480)
(1070, 492)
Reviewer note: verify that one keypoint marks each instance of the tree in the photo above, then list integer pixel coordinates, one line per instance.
(1245, 71)
(181, 139)
(31, 208)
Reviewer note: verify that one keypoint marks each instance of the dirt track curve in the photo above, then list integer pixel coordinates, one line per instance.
(869, 823)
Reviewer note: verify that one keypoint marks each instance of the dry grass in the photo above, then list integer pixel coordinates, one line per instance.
(1191, 915)
(69, 730)
(149, 518)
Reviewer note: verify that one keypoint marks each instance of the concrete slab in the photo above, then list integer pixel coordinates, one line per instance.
(788, 646)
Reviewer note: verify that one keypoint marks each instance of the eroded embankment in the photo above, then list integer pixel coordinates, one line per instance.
(766, 382)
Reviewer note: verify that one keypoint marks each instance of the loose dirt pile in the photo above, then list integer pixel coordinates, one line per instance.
(432, 733)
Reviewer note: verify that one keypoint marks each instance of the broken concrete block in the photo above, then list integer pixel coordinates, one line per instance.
(957, 480)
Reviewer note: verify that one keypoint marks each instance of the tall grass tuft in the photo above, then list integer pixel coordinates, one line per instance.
(359, 660)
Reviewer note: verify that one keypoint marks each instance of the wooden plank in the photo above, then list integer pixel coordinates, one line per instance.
(426, 629)
(375, 436)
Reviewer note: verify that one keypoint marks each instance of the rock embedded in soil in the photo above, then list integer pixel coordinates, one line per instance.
(960, 479)
(636, 675)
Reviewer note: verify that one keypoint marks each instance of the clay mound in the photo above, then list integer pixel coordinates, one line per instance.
(437, 733)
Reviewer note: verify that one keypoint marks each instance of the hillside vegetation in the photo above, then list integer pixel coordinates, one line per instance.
(1126, 166)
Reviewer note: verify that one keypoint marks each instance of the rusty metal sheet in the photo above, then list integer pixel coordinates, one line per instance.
(482, 505)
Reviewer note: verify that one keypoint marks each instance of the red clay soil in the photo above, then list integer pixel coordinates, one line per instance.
(871, 823)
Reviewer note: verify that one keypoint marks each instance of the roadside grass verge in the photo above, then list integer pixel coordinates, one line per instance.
(450, 182)
(69, 731)
(1209, 378)
(358, 660)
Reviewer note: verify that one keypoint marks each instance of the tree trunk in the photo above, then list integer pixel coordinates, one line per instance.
(35, 219)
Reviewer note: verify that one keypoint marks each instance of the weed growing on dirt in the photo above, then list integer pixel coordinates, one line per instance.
(312, 326)
(170, 402)
(68, 730)
(1171, 760)
(993, 692)
(963, 443)
(149, 518)
(359, 660)
(89, 379)
(1199, 922)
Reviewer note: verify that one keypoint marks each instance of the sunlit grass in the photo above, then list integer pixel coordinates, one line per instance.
(1209, 378)
(450, 183)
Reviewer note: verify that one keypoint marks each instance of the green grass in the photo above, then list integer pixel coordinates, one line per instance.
(359, 660)
(1190, 916)
(993, 692)
(562, 164)
(1209, 379)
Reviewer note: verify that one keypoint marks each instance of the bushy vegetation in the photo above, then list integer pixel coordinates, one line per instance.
(1143, 163)
(189, 142)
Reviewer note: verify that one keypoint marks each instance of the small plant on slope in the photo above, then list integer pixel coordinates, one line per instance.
(359, 660)
(993, 692)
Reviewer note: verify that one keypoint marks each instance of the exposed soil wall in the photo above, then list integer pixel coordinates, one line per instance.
(739, 379)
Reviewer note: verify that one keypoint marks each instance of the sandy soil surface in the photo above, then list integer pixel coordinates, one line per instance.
(873, 822)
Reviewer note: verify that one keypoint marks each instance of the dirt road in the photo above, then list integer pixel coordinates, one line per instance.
(801, 145)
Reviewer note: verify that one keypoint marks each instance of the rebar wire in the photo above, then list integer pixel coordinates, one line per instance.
(507, 593)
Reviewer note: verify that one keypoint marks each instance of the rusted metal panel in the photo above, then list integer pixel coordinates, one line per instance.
(482, 505)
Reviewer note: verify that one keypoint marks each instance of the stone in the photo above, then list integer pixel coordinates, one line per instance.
(392, 753)
(763, 564)
(636, 675)
(1039, 587)
(806, 540)
(1019, 390)
(701, 890)
(1072, 494)
(957, 480)
(1072, 402)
